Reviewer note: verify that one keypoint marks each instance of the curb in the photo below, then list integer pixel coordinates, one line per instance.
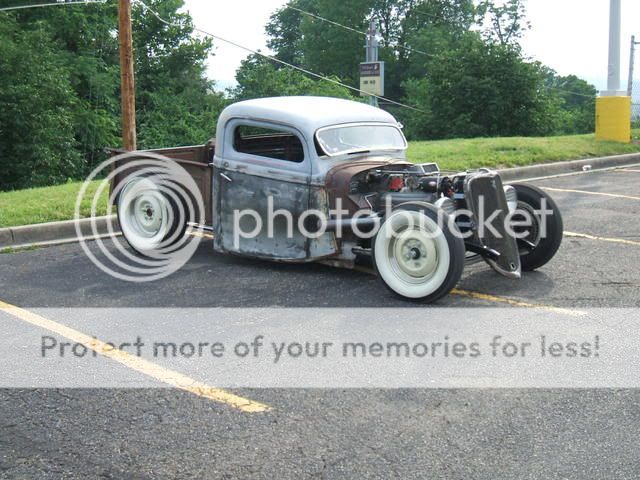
(54, 233)
(568, 168)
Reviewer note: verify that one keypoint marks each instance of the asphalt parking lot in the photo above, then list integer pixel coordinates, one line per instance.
(412, 433)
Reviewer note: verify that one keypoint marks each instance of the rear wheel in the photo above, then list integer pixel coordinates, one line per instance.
(415, 255)
(149, 217)
(544, 236)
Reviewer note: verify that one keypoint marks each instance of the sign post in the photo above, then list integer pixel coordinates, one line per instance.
(371, 70)
(372, 78)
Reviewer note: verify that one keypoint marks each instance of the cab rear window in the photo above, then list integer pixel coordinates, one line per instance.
(268, 142)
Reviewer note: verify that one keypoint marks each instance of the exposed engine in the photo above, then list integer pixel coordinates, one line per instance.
(459, 194)
(394, 185)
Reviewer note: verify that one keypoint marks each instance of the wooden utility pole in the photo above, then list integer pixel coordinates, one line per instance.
(127, 79)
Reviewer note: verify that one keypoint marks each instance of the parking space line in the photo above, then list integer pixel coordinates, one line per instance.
(516, 303)
(197, 233)
(492, 298)
(604, 239)
(586, 192)
(136, 363)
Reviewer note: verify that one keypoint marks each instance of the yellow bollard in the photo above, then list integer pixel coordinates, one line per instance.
(613, 119)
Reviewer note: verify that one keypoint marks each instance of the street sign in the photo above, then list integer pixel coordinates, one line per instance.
(372, 78)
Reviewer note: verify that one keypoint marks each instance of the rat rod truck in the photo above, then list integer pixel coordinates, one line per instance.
(327, 180)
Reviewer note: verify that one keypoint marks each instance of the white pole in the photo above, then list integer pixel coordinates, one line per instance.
(632, 59)
(372, 52)
(613, 80)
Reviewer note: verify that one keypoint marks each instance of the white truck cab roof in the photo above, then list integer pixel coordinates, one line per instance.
(307, 114)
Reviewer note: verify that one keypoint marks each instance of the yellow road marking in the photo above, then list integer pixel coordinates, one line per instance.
(586, 192)
(197, 233)
(604, 239)
(495, 299)
(363, 269)
(136, 363)
(515, 303)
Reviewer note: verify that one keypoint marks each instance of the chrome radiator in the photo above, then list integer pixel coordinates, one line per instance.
(484, 195)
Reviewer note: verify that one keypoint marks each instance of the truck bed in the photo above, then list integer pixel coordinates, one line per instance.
(194, 159)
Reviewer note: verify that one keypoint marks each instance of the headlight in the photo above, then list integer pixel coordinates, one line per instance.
(446, 204)
(512, 197)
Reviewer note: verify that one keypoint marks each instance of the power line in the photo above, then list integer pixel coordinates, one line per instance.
(313, 15)
(269, 57)
(422, 14)
(412, 50)
(432, 16)
(351, 29)
(52, 4)
(277, 60)
(570, 92)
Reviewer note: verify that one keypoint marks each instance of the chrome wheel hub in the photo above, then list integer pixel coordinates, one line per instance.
(147, 212)
(415, 253)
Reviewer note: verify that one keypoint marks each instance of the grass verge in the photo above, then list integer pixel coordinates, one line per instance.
(461, 154)
(48, 204)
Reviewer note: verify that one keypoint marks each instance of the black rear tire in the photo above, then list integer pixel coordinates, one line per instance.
(548, 245)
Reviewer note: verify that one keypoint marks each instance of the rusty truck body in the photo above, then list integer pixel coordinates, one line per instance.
(339, 169)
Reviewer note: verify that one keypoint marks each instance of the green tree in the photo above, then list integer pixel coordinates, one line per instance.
(285, 34)
(504, 22)
(576, 102)
(37, 104)
(176, 103)
(84, 38)
(480, 89)
(259, 77)
(316, 44)
(406, 26)
(427, 28)
(66, 61)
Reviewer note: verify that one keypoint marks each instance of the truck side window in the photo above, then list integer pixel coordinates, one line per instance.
(267, 142)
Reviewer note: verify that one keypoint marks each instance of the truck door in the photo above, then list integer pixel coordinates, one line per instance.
(261, 188)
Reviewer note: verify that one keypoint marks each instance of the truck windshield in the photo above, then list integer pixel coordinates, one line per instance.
(340, 140)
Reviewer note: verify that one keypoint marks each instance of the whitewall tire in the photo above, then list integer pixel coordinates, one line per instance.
(146, 215)
(416, 255)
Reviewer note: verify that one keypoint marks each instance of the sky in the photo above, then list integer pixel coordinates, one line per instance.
(570, 36)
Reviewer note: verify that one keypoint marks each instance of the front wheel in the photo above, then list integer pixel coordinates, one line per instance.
(418, 253)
